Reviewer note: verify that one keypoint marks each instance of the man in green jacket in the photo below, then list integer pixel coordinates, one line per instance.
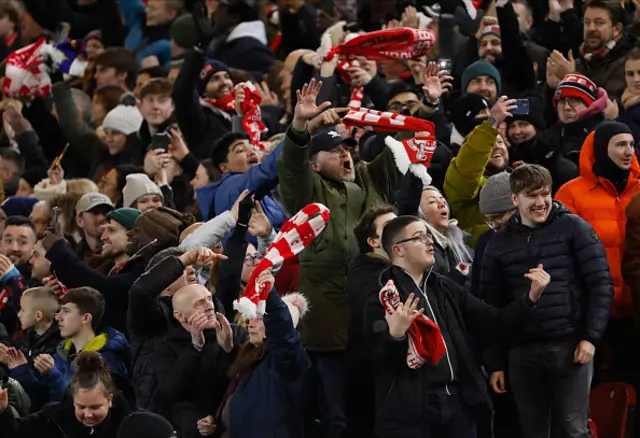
(482, 154)
(320, 169)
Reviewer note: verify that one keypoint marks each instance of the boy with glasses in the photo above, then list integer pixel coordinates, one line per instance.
(550, 359)
(417, 391)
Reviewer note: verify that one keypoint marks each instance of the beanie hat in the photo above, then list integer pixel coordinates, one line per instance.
(298, 306)
(138, 184)
(465, 110)
(576, 85)
(18, 205)
(183, 31)
(123, 118)
(145, 425)
(124, 216)
(495, 195)
(211, 67)
(494, 29)
(535, 116)
(34, 175)
(93, 35)
(481, 68)
(164, 224)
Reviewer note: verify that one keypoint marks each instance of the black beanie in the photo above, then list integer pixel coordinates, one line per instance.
(145, 425)
(604, 166)
(465, 110)
(535, 116)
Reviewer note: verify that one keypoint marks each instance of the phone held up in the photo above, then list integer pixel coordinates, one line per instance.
(161, 140)
(55, 213)
(522, 107)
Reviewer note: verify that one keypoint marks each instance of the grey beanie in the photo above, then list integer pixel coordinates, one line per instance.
(495, 196)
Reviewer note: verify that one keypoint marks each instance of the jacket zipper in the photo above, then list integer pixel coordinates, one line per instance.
(424, 293)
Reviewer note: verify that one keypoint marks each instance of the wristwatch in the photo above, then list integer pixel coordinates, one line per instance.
(493, 122)
(432, 105)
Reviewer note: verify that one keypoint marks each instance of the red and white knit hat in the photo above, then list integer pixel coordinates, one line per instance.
(578, 86)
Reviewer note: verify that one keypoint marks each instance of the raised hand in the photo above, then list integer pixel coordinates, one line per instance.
(265, 276)
(177, 148)
(236, 205)
(200, 257)
(224, 334)
(259, 225)
(197, 323)
(327, 119)
(43, 363)
(359, 76)
(501, 109)
(5, 265)
(269, 98)
(400, 321)
(487, 20)
(561, 66)
(240, 96)
(306, 107)
(410, 18)
(540, 279)
(432, 84)
(55, 174)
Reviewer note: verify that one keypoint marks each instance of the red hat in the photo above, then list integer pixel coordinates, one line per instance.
(578, 86)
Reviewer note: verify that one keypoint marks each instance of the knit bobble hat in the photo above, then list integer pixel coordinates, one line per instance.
(18, 205)
(183, 31)
(495, 196)
(298, 306)
(481, 68)
(145, 425)
(138, 184)
(578, 86)
(125, 118)
(210, 68)
(465, 110)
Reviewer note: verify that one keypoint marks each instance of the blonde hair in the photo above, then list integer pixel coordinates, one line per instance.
(81, 186)
(44, 300)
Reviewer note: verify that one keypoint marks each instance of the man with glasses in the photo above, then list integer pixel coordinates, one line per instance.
(549, 361)
(580, 105)
(443, 397)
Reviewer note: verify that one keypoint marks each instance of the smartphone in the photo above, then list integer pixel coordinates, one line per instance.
(445, 64)
(160, 140)
(55, 213)
(522, 107)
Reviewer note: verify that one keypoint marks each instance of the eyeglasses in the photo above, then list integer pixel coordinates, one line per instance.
(423, 238)
(569, 101)
(252, 260)
(496, 221)
(399, 106)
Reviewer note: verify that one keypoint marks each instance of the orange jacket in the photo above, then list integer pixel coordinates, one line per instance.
(596, 200)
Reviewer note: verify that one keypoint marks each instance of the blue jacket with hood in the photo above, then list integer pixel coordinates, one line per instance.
(222, 194)
(111, 344)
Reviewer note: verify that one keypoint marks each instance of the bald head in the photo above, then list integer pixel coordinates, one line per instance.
(292, 58)
(189, 300)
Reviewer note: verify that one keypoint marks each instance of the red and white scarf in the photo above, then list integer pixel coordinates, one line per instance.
(252, 120)
(357, 93)
(380, 45)
(384, 121)
(26, 74)
(425, 338)
(294, 236)
(414, 154)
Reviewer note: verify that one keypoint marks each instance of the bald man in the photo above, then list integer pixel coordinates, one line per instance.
(192, 362)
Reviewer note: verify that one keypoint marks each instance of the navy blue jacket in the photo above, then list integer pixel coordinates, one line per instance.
(271, 396)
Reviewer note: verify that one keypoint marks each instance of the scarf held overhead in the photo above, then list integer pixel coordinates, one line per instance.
(425, 338)
(384, 121)
(380, 45)
(294, 236)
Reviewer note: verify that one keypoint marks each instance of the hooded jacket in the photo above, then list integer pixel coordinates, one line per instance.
(597, 201)
(58, 420)
(246, 48)
(577, 301)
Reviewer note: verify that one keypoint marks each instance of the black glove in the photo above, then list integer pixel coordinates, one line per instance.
(203, 25)
(244, 211)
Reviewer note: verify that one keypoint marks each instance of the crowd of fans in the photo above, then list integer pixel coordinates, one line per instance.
(260, 218)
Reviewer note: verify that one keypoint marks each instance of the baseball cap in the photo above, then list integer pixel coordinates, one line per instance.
(89, 201)
(328, 140)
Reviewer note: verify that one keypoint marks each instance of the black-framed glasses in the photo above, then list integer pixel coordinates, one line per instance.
(423, 238)
(252, 260)
(399, 106)
(496, 221)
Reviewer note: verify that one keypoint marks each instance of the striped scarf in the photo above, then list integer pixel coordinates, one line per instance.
(384, 121)
(295, 235)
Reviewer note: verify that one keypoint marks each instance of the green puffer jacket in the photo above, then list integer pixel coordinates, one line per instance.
(323, 265)
(466, 176)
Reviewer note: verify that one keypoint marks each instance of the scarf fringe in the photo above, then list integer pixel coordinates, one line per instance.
(403, 163)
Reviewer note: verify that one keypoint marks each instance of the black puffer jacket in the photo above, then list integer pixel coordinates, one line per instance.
(578, 300)
(401, 392)
(567, 139)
